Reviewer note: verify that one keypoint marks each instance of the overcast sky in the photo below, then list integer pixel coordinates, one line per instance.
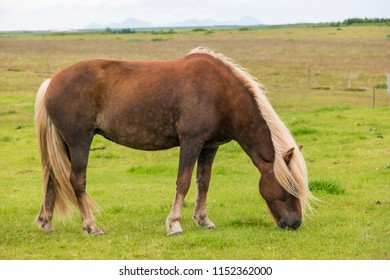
(76, 14)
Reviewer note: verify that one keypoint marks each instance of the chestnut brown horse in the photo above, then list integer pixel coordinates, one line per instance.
(197, 102)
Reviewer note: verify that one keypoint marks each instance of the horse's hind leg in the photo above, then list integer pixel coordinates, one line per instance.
(79, 161)
(45, 216)
(203, 175)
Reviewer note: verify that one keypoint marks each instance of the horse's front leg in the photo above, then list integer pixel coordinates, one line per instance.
(205, 162)
(189, 152)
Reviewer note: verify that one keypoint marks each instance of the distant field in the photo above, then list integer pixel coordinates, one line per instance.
(319, 80)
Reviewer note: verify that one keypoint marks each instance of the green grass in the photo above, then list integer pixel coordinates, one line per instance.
(330, 187)
(346, 146)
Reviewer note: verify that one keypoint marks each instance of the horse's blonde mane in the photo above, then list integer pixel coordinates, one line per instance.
(293, 178)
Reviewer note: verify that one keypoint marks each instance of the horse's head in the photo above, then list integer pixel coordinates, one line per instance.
(285, 208)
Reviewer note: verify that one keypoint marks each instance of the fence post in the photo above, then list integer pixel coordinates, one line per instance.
(349, 79)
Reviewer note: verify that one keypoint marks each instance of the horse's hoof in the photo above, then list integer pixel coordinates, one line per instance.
(211, 226)
(171, 233)
(204, 223)
(94, 232)
(47, 228)
(99, 232)
(174, 229)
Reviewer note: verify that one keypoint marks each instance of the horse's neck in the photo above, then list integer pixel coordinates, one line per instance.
(255, 139)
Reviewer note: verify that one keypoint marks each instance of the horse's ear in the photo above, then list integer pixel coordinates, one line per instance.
(288, 155)
(300, 147)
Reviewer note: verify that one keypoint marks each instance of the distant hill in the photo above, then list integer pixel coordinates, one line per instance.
(130, 23)
(136, 23)
(245, 21)
(94, 25)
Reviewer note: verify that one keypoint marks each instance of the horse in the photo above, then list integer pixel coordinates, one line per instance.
(197, 102)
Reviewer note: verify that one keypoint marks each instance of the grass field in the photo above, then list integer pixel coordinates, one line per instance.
(306, 72)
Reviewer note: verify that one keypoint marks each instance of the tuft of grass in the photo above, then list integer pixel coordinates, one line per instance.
(159, 39)
(381, 86)
(355, 89)
(156, 169)
(198, 29)
(331, 109)
(321, 88)
(104, 155)
(6, 139)
(303, 131)
(10, 112)
(159, 32)
(326, 186)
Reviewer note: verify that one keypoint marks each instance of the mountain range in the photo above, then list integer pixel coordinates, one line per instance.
(136, 23)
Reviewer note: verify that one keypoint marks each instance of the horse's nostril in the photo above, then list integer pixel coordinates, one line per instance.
(296, 225)
(282, 224)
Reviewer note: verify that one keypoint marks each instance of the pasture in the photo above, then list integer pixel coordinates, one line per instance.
(319, 80)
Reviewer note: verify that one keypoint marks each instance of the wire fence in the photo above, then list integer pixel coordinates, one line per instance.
(378, 95)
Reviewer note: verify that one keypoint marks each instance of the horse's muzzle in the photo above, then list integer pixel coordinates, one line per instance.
(295, 224)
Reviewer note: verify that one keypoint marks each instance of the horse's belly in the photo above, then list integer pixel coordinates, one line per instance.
(149, 142)
(142, 138)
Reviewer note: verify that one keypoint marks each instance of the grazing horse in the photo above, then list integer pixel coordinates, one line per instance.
(197, 102)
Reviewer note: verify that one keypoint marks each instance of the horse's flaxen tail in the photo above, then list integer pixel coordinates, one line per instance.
(55, 160)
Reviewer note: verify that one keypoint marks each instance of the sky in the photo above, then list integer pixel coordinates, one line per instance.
(77, 14)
